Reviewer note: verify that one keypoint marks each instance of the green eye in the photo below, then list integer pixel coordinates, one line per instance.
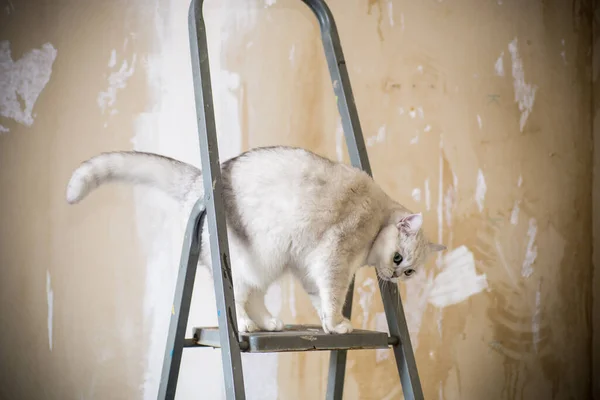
(397, 258)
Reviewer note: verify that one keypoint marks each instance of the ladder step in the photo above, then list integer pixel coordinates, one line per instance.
(295, 338)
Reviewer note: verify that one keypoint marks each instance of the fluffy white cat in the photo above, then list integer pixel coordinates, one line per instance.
(288, 210)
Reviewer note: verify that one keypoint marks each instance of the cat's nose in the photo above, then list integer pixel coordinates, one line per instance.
(396, 274)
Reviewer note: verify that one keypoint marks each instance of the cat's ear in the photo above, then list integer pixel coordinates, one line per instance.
(435, 247)
(410, 224)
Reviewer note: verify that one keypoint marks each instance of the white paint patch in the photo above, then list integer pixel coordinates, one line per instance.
(401, 110)
(113, 59)
(520, 181)
(458, 279)
(339, 140)
(499, 65)
(536, 318)
(524, 92)
(292, 56)
(416, 194)
(479, 121)
(412, 112)
(22, 81)
(514, 215)
(390, 7)
(381, 326)
(50, 301)
(415, 140)
(4, 129)
(427, 128)
(421, 112)
(169, 127)
(531, 252)
(402, 22)
(365, 293)
(417, 295)
(116, 80)
(420, 69)
(427, 195)
(379, 138)
(269, 3)
(480, 190)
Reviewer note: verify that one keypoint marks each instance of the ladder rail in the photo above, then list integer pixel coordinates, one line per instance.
(357, 151)
(213, 197)
(180, 310)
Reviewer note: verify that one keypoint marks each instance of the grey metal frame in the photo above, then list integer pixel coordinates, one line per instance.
(212, 205)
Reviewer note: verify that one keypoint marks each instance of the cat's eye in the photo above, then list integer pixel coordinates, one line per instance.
(409, 272)
(397, 258)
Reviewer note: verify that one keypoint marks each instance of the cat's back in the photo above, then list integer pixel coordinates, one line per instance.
(290, 167)
(291, 180)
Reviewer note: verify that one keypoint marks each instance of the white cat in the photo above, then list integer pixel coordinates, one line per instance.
(288, 210)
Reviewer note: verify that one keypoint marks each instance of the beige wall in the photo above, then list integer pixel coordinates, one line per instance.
(476, 113)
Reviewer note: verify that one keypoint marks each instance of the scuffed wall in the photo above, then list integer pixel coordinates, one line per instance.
(475, 113)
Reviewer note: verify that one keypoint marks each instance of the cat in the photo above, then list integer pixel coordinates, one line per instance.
(287, 210)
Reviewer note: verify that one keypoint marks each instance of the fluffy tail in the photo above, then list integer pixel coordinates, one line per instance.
(171, 176)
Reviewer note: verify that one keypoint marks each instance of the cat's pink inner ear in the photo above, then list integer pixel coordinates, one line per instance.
(410, 223)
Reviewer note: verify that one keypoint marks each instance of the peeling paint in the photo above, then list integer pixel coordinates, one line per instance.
(499, 65)
(365, 293)
(22, 81)
(531, 252)
(458, 279)
(524, 92)
(381, 326)
(390, 7)
(479, 122)
(427, 128)
(292, 56)
(339, 140)
(480, 190)
(379, 138)
(117, 80)
(416, 194)
(514, 215)
(417, 295)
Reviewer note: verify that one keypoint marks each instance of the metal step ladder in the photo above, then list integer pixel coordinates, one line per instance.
(294, 337)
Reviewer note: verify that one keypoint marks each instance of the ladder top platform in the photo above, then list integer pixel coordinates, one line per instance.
(295, 338)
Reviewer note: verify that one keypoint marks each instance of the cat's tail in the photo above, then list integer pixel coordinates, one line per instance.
(173, 177)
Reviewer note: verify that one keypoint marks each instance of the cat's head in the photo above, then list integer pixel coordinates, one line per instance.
(401, 248)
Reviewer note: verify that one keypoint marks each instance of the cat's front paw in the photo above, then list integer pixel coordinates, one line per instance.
(247, 325)
(345, 326)
(274, 325)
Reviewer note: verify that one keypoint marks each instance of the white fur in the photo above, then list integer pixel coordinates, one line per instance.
(288, 210)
